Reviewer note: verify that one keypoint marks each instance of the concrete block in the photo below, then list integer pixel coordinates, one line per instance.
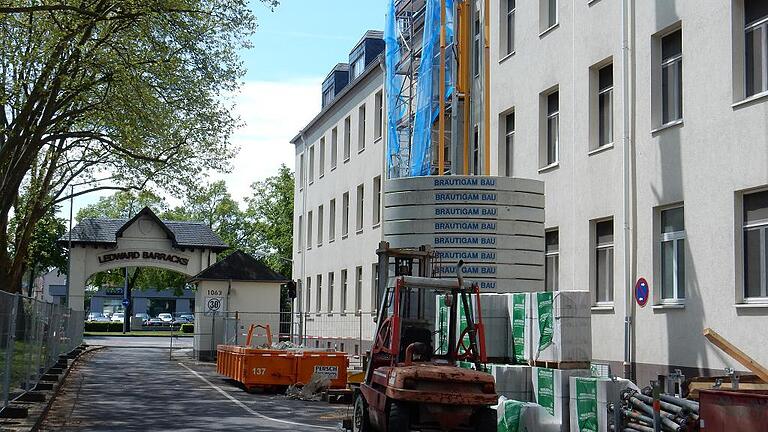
(551, 390)
(513, 381)
(498, 332)
(606, 391)
(572, 327)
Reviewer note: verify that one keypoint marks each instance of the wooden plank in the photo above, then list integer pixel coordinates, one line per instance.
(736, 354)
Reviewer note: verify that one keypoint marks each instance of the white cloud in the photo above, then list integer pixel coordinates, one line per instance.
(273, 113)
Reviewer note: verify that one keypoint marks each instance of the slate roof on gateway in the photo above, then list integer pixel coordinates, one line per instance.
(98, 231)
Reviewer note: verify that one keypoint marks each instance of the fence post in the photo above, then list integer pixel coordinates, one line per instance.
(360, 337)
(9, 351)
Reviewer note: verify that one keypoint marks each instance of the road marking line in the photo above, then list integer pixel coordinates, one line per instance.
(248, 409)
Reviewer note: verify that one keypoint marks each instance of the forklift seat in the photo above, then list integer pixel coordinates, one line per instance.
(413, 334)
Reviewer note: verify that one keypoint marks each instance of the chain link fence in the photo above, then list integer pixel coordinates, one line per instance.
(33, 334)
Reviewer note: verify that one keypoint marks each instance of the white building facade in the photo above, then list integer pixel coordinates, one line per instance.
(337, 204)
(655, 164)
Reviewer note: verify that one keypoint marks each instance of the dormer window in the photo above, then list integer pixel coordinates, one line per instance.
(357, 66)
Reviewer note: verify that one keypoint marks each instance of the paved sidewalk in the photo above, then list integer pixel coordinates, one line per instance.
(142, 390)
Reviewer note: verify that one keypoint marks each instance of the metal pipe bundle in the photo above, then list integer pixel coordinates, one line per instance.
(676, 415)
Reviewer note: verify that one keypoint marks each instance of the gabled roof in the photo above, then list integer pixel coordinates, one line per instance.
(239, 266)
(102, 231)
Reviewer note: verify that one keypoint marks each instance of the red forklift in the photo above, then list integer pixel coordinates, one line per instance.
(411, 385)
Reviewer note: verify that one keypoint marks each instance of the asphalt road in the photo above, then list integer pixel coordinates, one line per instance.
(140, 389)
(139, 341)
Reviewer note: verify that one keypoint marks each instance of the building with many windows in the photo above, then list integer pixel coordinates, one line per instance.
(337, 204)
(649, 127)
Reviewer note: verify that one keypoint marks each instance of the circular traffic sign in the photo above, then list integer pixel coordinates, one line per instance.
(126, 302)
(642, 292)
(214, 304)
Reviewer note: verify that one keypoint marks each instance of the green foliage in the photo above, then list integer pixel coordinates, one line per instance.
(187, 328)
(270, 209)
(123, 205)
(111, 95)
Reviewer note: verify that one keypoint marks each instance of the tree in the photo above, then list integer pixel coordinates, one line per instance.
(270, 209)
(123, 205)
(112, 95)
(214, 205)
(45, 253)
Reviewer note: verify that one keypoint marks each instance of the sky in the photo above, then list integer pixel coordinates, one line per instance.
(294, 48)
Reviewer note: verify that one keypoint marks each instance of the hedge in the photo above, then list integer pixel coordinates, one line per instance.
(103, 326)
(187, 328)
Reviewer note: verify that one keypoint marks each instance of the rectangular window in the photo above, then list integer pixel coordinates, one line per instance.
(308, 306)
(344, 283)
(360, 203)
(311, 164)
(672, 239)
(319, 295)
(309, 230)
(320, 226)
(547, 14)
(321, 158)
(379, 121)
(332, 220)
(331, 280)
(299, 237)
(476, 47)
(553, 128)
(509, 141)
(334, 147)
(347, 137)
(377, 200)
(328, 95)
(672, 77)
(755, 242)
(358, 288)
(345, 214)
(603, 262)
(605, 106)
(510, 26)
(374, 287)
(301, 171)
(357, 67)
(552, 261)
(756, 46)
(361, 128)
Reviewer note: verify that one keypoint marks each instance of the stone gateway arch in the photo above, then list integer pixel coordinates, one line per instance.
(143, 241)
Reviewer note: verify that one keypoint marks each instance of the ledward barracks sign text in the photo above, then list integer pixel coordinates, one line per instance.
(159, 256)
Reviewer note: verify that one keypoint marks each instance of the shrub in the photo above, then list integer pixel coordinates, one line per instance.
(187, 328)
(114, 327)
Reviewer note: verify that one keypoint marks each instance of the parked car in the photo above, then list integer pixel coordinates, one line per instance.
(155, 322)
(93, 315)
(144, 317)
(165, 317)
(101, 319)
(118, 317)
(179, 321)
(189, 317)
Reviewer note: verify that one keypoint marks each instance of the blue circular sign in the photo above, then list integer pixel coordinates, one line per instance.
(126, 302)
(642, 292)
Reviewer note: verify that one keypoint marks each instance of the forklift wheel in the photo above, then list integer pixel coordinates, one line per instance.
(399, 419)
(485, 420)
(360, 422)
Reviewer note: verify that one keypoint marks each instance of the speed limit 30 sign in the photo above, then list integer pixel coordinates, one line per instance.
(214, 305)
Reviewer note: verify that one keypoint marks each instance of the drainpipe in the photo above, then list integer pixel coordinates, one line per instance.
(628, 192)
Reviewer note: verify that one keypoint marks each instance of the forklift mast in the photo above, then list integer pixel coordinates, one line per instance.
(394, 262)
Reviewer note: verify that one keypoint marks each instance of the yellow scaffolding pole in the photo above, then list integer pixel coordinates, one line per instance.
(465, 41)
(441, 119)
(487, 88)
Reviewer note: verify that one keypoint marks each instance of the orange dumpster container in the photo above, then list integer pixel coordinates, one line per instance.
(264, 368)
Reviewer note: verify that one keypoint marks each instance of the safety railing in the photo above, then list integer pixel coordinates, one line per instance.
(33, 334)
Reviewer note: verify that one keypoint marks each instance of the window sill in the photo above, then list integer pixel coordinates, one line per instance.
(360, 150)
(376, 225)
(506, 56)
(344, 236)
(318, 314)
(333, 168)
(309, 248)
(747, 101)
(346, 159)
(321, 176)
(751, 305)
(549, 167)
(358, 232)
(602, 308)
(549, 30)
(666, 126)
(591, 2)
(331, 240)
(319, 245)
(311, 182)
(662, 306)
(600, 149)
(378, 139)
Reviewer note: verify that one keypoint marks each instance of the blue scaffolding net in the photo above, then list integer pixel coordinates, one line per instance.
(393, 84)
